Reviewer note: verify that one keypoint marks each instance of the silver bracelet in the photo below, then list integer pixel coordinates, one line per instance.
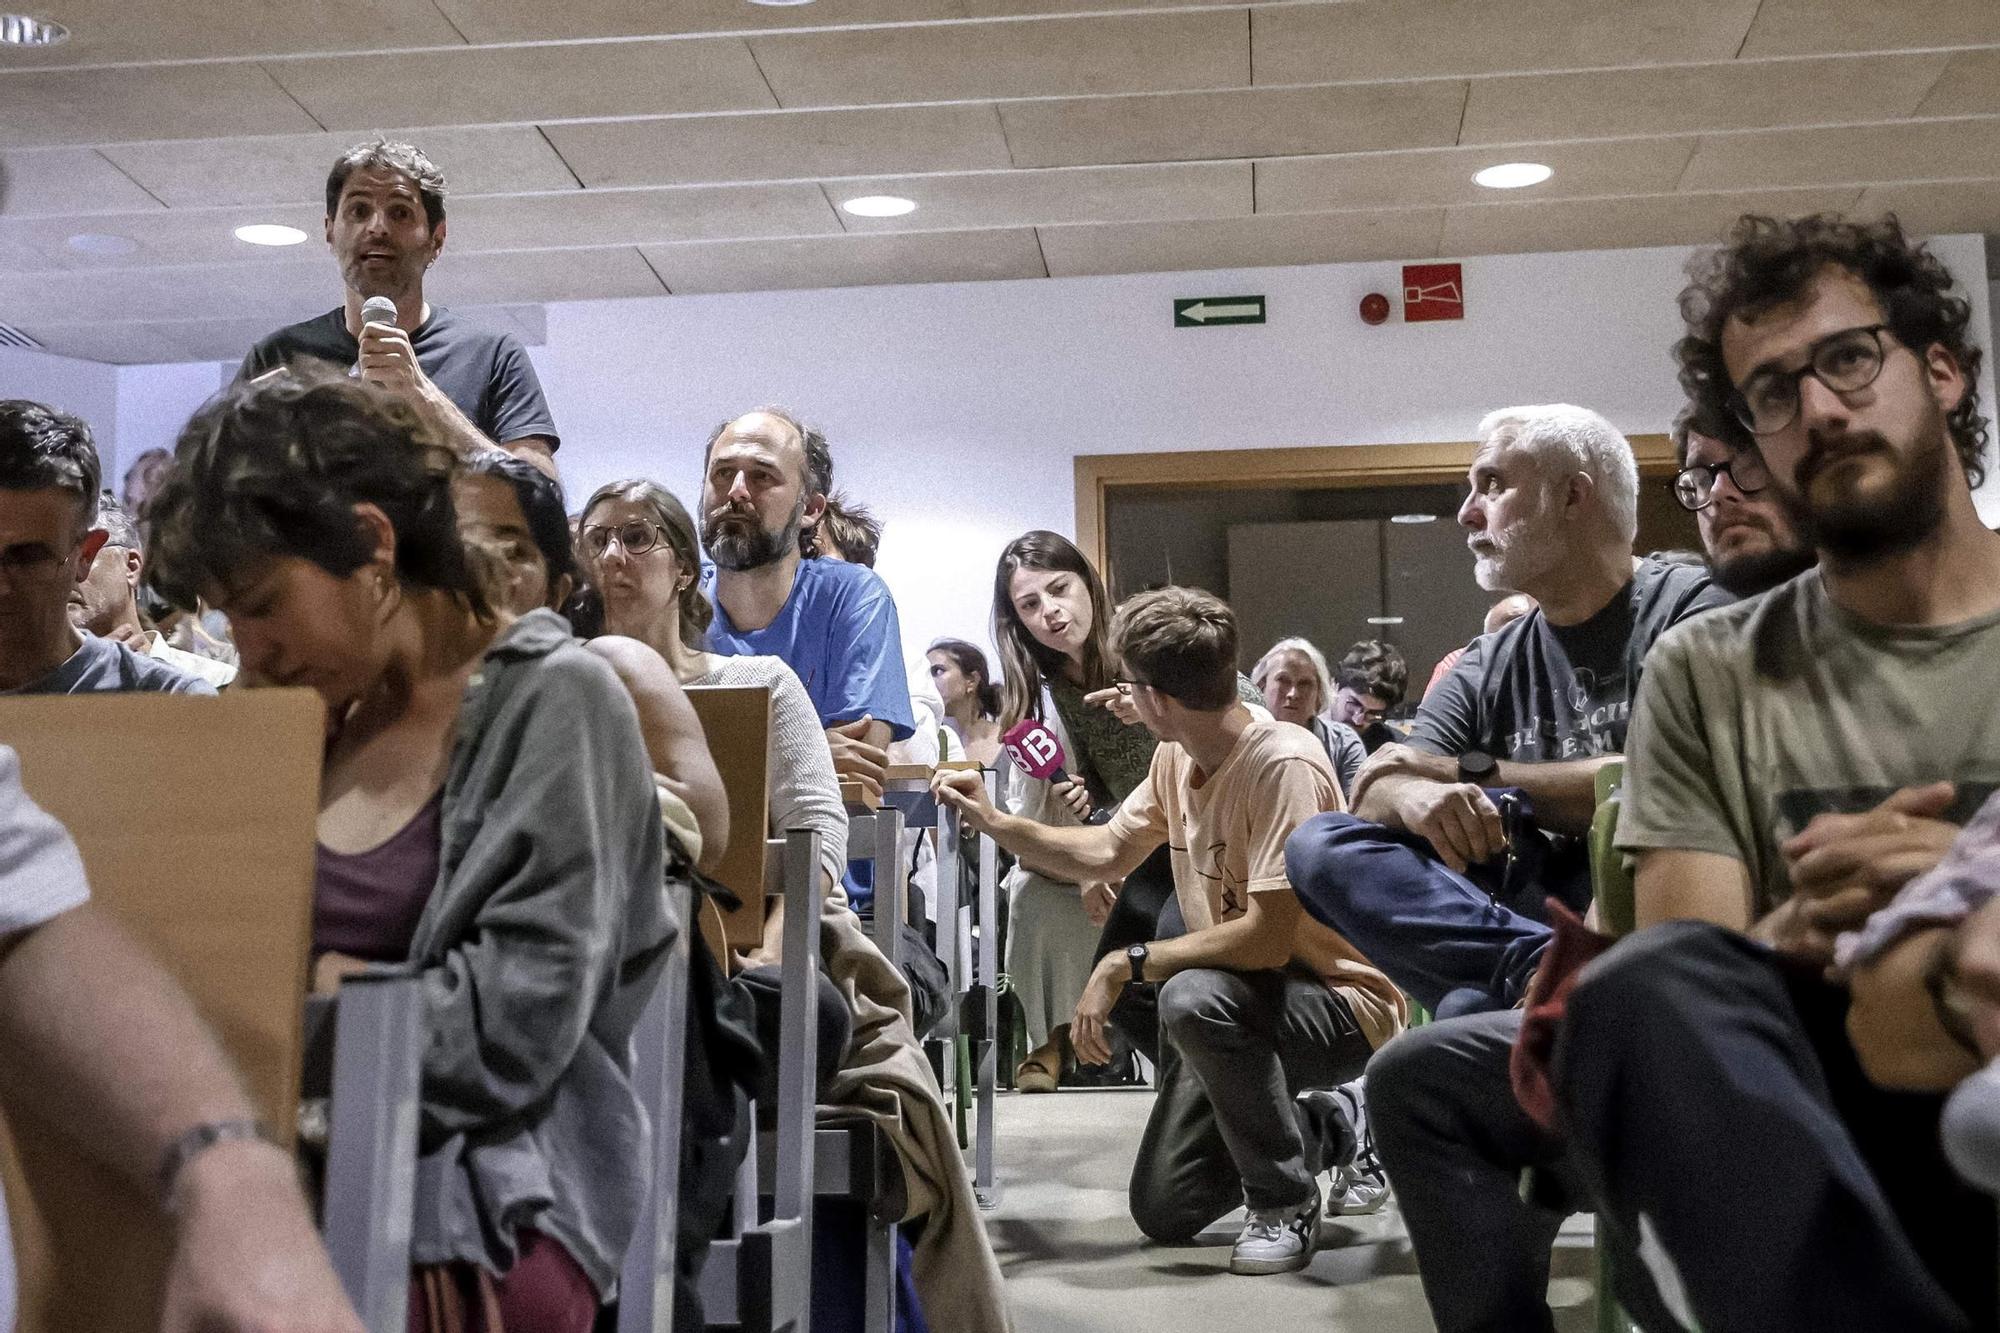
(199, 1140)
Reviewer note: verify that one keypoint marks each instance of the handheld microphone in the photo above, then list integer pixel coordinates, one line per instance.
(375, 310)
(1036, 752)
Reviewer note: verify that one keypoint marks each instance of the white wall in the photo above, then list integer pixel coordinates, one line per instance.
(82, 388)
(154, 402)
(955, 411)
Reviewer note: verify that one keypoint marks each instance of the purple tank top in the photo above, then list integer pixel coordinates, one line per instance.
(367, 904)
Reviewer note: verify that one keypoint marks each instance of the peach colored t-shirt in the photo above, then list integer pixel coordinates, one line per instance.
(1226, 833)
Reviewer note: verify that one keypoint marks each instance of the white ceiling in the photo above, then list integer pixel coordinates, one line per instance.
(609, 148)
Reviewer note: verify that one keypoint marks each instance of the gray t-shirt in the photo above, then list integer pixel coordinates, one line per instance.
(102, 666)
(41, 876)
(1755, 718)
(1537, 693)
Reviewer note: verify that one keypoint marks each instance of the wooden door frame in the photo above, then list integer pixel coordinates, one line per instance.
(1306, 467)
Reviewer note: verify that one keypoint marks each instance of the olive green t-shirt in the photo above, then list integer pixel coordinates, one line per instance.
(1756, 717)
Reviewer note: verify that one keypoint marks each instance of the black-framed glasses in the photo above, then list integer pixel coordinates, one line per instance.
(635, 538)
(1125, 687)
(1768, 401)
(1694, 485)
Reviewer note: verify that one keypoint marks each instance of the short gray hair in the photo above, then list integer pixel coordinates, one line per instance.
(117, 521)
(1564, 439)
(1304, 648)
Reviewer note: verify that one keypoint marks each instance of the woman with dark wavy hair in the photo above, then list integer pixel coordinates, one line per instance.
(1052, 621)
(487, 817)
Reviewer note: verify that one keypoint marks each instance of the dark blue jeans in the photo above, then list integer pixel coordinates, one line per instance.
(1437, 934)
(1719, 1114)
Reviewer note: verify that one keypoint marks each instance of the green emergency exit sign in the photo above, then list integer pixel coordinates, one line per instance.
(1204, 312)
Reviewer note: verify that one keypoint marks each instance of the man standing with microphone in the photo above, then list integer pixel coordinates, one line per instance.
(385, 225)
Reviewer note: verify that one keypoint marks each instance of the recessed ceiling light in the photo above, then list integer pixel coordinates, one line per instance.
(1513, 175)
(1413, 518)
(21, 30)
(1385, 620)
(269, 233)
(100, 243)
(880, 206)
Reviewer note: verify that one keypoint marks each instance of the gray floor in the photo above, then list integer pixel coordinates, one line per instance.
(1075, 1263)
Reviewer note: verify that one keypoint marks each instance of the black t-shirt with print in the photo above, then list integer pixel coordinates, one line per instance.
(1532, 692)
(485, 372)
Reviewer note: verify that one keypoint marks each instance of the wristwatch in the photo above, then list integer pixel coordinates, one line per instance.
(1136, 956)
(1477, 767)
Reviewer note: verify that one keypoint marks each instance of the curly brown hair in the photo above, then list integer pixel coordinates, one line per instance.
(1765, 262)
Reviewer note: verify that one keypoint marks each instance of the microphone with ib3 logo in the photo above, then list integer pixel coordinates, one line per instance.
(1037, 752)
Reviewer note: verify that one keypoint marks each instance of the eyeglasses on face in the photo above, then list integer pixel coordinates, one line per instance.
(1844, 362)
(1694, 485)
(634, 538)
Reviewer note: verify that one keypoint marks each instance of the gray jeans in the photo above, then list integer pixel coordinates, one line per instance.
(1235, 1047)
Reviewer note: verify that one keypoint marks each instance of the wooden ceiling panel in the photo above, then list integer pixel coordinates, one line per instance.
(1049, 58)
(1812, 27)
(1856, 154)
(118, 31)
(637, 217)
(1254, 242)
(1082, 194)
(1603, 224)
(41, 108)
(487, 85)
(784, 145)
(1246, 122)
(1736, 95)
(847, 261)
(1373, 39)
(58, 181)
(1391, 180)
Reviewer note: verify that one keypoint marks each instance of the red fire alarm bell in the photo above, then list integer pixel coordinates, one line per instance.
(1374, 308)
(1432, 291)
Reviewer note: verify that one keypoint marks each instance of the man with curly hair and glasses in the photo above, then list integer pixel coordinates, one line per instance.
(1759, 1125)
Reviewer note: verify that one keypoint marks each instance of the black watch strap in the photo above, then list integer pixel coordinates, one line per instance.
(1136, 956)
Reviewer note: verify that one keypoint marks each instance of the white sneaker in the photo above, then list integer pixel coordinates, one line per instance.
(1277, 1240)
(1360, 1187)
(1358, 1190)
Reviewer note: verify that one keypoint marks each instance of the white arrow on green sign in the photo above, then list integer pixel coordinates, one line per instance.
(1203, 312)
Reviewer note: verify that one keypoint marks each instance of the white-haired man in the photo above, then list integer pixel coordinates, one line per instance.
(1437, 893)
(1424, 876)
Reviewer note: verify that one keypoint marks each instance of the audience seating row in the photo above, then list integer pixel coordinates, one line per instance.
(360, 1050)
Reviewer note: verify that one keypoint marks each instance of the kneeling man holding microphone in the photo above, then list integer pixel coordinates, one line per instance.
(1262, 1010)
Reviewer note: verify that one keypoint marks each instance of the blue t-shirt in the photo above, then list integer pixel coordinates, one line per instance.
(839, 634)
(101, 666)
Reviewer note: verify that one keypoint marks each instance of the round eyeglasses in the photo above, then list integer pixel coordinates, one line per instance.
(1844, 362)
(1694, 485)
(634, 538)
